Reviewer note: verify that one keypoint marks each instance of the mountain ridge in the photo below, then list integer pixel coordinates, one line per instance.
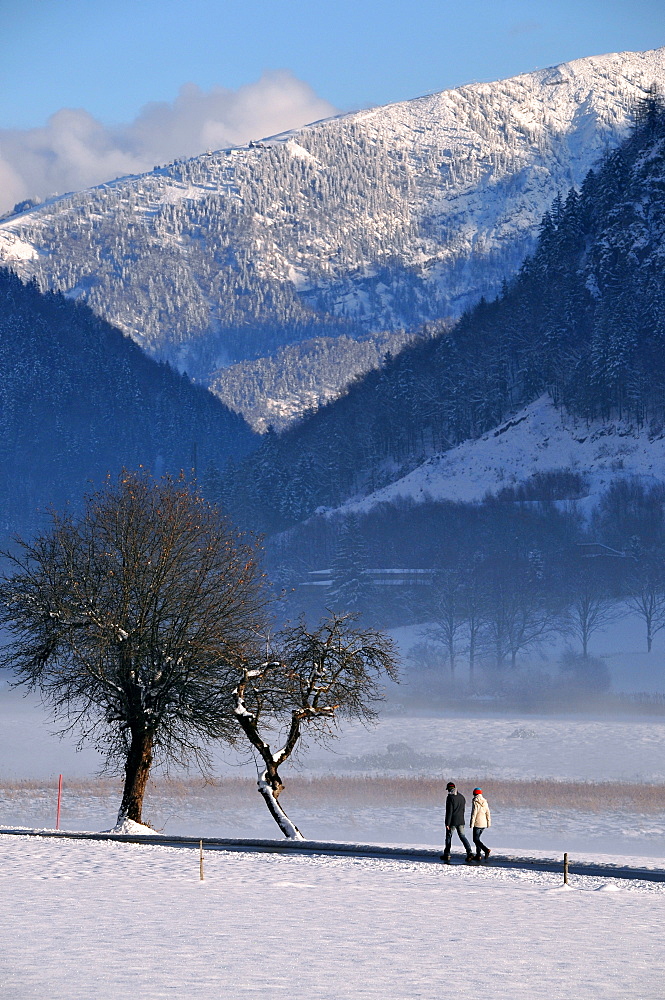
(375, 220)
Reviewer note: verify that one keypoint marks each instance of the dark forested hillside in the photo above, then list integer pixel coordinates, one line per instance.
(584, 320)
(78, 399)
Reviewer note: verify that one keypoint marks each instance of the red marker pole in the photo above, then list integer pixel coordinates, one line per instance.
(57, 819)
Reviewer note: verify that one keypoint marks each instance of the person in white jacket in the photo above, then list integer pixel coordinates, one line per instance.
(481, 820)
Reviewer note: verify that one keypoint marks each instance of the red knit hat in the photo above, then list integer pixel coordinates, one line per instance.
(477, 791)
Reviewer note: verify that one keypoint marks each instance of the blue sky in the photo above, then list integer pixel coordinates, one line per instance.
(111, 57)
(96, 89)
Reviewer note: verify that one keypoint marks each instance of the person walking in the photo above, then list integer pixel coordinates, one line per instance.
(455, 804)
(481, 820)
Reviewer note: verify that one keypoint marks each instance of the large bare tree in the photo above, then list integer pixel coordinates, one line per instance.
(312, 679)
(128, 619)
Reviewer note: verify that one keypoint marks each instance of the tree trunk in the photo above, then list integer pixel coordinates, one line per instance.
(472, 657)
(137, 772)
(269, 783)
(270, 797)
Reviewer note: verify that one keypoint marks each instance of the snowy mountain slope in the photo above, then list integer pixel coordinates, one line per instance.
(583, 322)
(540, 438)
(376, 220)
(300, 377)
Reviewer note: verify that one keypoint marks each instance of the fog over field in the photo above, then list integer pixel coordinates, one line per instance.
(587, 781)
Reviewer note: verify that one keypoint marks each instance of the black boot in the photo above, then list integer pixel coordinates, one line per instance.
(445, 858)
(471, 859)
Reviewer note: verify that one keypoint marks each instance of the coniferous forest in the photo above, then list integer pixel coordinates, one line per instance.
(583, 323)
(80, 400)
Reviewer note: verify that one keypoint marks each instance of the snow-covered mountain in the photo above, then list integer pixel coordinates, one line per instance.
(582, 323)
(377, 220)
(300, 377)
(539, 439)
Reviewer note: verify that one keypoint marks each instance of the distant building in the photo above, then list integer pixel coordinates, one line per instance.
(596, 550)
(317, 578)
(320, 578)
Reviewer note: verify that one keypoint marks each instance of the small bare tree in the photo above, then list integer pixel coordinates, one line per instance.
(589, 611)
(518, 615)
(475, 605)
(312, 678)
(448, 618)
(647, 599)
(128, 618)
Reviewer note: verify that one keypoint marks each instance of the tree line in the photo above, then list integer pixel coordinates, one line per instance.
(503, 578)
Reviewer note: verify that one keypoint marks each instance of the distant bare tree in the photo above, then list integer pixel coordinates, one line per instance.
(531, 623)
(310, 678)
(497, 614)
(475, 612)
(449, 615)
(128, 618)
(589, 611)
(647, 598)
(518, 616)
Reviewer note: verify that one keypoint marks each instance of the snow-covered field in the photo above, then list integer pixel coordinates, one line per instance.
(99, 920)
(89, 921)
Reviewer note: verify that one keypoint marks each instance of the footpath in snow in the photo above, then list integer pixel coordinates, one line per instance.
(646, 869)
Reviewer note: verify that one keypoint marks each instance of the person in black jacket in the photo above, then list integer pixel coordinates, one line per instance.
(455, 803)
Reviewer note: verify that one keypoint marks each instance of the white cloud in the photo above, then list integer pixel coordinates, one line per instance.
(74, 150)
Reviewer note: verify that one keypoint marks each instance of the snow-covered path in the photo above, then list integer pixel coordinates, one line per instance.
(87, 921)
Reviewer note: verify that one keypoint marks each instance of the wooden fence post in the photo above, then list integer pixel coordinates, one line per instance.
(565, 869)
(57, 815)
(201, 860)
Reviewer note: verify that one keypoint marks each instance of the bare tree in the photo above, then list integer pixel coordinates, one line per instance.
(518, 614)
(449, 617)
(128, 618)
(497, 619)
(647, 599)
(589, 611)
(312, 678)
(531, 623)
(475, 612)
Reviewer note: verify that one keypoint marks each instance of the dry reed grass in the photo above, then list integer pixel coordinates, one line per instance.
(372, 792)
